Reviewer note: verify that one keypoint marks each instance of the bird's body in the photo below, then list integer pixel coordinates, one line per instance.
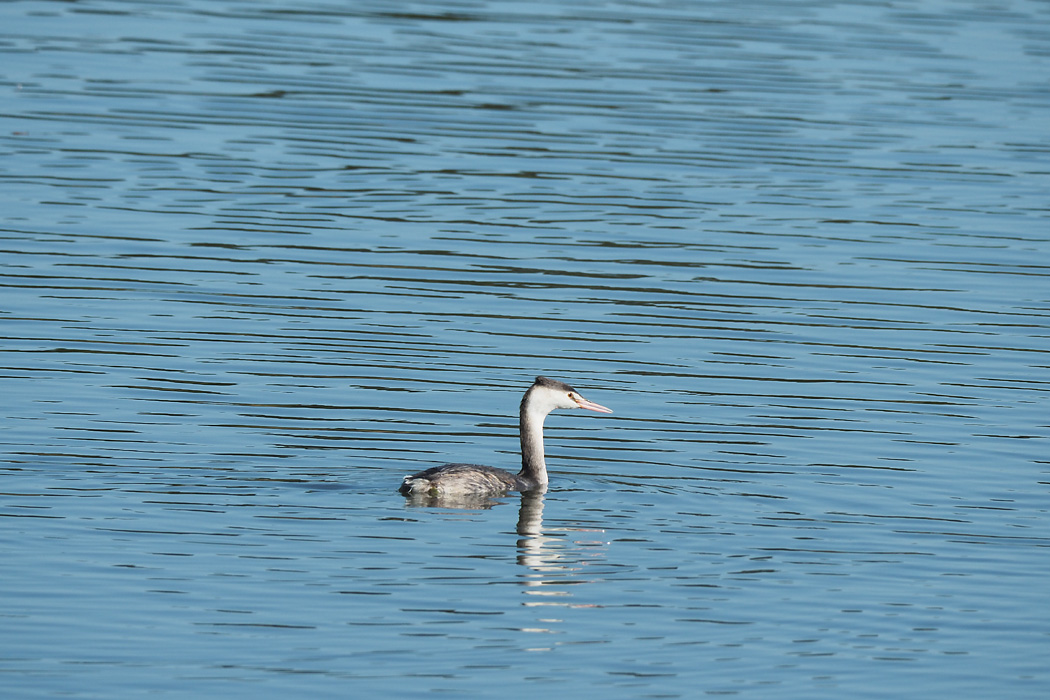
(466, 480)
(473, 480)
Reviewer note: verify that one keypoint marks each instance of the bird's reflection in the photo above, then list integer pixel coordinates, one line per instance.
(554, 560)
(464, 502)
(555, 557)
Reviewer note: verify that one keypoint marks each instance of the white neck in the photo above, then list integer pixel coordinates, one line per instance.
(532, 413)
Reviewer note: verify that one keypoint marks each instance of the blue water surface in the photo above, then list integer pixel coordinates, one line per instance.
(262, 260)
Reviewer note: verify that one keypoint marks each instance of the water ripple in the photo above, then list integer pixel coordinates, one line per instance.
(260, 261)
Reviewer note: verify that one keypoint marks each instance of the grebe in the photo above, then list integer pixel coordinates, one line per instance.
(466, 480)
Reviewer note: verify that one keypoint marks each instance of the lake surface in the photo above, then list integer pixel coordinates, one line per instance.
(261, 260)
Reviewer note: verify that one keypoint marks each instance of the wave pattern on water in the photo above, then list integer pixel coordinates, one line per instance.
(260, 261)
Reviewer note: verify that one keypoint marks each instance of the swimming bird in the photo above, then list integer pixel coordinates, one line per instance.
(474, 480)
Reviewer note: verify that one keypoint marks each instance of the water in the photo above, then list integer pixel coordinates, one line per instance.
(260, 261)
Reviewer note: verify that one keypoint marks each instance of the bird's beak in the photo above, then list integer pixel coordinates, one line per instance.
(590, 405)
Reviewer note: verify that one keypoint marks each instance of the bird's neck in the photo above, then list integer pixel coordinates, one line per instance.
(533, 467)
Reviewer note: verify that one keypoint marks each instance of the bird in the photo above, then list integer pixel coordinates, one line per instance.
(477, 481)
